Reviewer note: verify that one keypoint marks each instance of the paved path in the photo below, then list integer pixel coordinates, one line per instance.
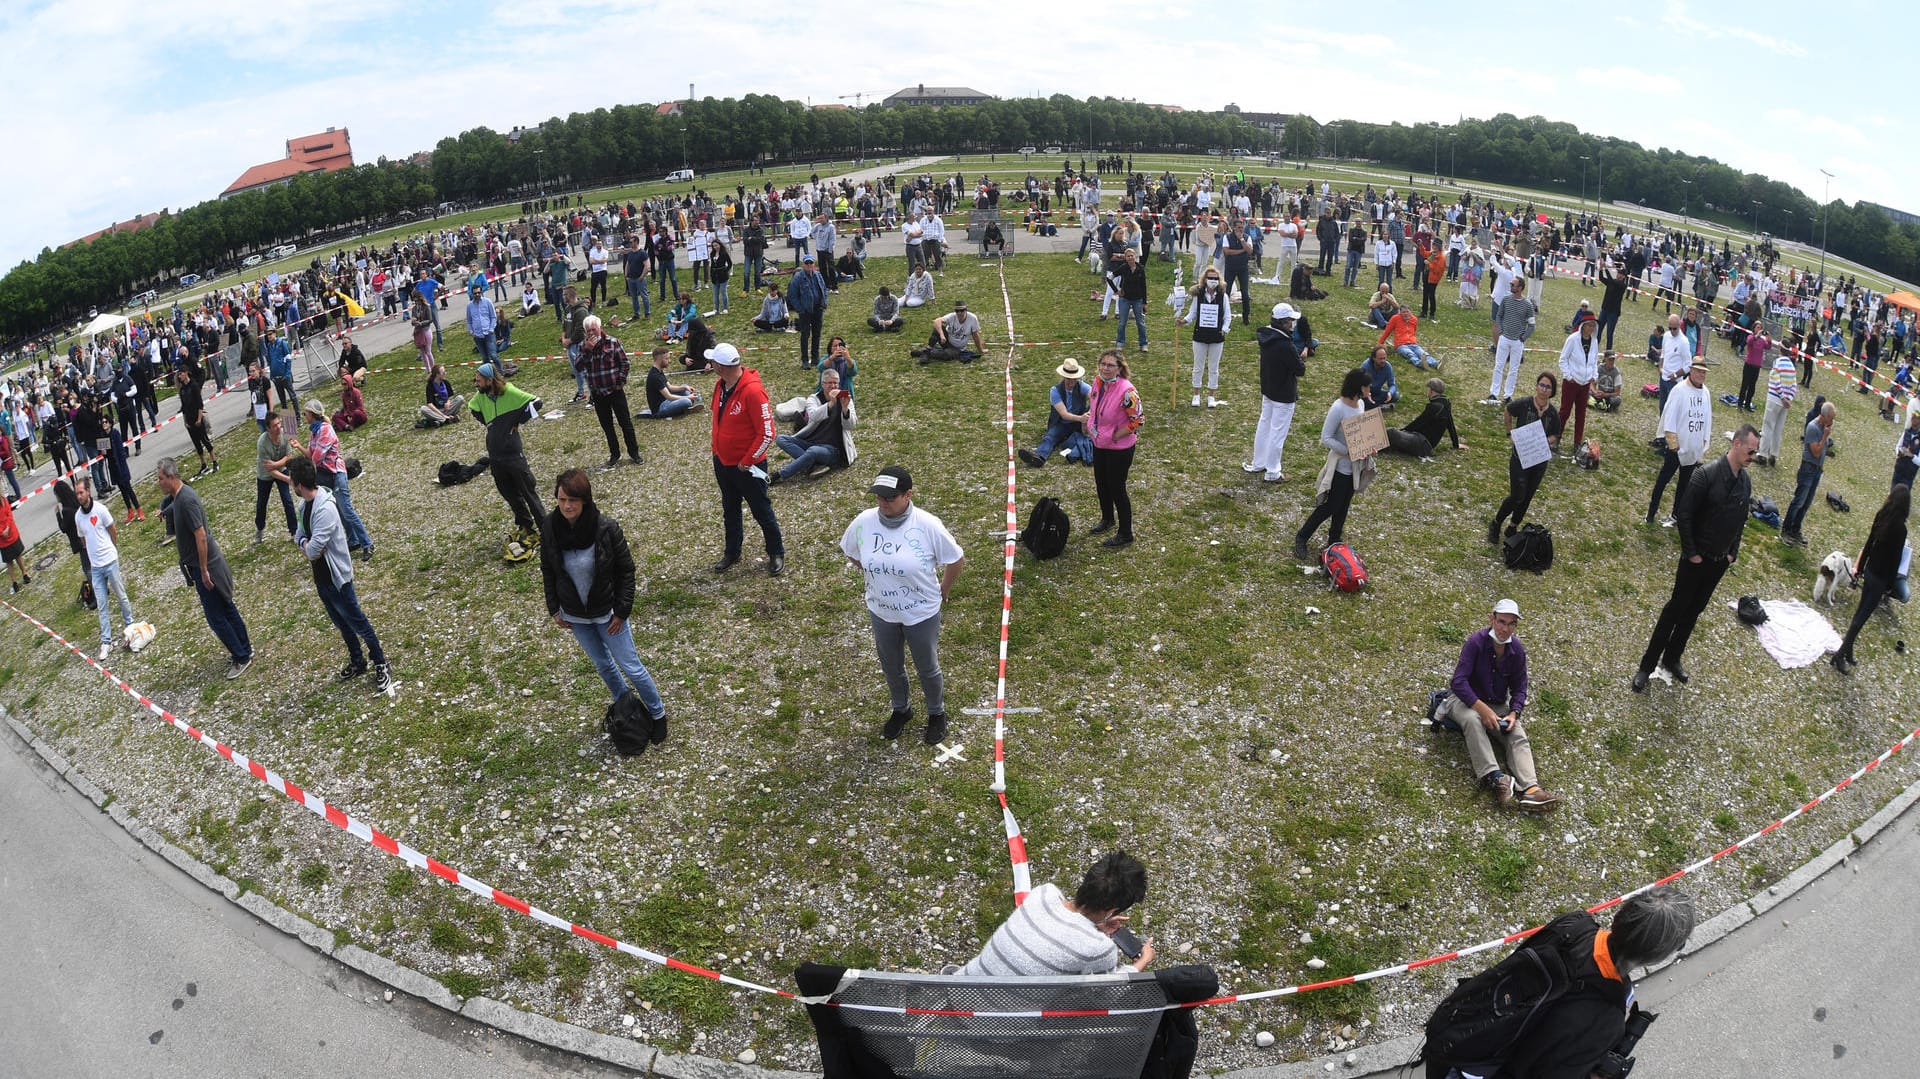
(119, 964)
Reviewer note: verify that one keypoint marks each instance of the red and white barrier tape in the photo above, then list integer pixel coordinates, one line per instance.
(89, 462)
(1016, 842)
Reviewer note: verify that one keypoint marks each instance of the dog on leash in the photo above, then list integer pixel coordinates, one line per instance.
(1836, 572)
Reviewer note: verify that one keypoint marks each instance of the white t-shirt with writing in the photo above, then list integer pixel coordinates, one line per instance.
(902, 564)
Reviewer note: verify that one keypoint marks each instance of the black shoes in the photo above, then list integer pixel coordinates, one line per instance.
(936, 728)
(1679, 673)
(1033, 458)
(351, 671)
(726, 563)
(776, 565)
(1640, 681)
(1493, 533)
(1843, 663)
(1102, 527)
(659, 732)
(1300, 551)
(896, 723)
(1116, 541)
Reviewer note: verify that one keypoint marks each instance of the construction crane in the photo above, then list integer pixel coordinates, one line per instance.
(860, 114)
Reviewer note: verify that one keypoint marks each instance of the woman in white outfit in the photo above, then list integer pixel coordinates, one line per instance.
(1211, 316)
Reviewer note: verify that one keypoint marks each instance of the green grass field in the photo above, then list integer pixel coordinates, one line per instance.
(1202, 702)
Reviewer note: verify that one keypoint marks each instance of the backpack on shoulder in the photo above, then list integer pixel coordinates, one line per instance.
(1530, 547)
(628, 725)
(1343, 568)
(1479, 1022)
(1047, 529)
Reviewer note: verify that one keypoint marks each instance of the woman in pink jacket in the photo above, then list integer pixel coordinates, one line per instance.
(1113, 422)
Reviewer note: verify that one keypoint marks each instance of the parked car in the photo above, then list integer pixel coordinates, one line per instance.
(253, 260)
(144, 299)
(1052, 149)
(190, 280)
(1214, 152)
(1241, 151)
(282, 251)
(680, 176)
(1027, 150)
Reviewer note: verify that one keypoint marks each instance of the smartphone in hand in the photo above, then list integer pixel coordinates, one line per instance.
(1128, 942)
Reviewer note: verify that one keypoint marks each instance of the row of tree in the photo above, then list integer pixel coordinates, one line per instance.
(1534, 152)
(630, 141)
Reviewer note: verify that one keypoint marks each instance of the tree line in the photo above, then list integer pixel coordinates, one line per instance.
(628, 142)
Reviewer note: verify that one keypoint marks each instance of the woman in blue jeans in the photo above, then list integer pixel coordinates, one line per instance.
(587, 572)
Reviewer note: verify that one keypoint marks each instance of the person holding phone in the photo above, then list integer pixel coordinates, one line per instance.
(1050, 935)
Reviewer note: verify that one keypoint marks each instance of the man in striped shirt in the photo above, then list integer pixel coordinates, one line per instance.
(1516, 320)
(1051, 935)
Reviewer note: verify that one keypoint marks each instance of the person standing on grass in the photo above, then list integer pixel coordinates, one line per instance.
(322, 447)
(1235, 251)
(203, 566)
(321, 537)
(1579, 368)
(483, 321)
(1878, 566)
(910, 562)
(1337, 498)
(1711, 517)
(94, 522)
(604, 362)
(1783, 385)
(1756, 356)
(1211, 317)
(633, 268)
(502, 408)
(272, 454)
(742, 433)
(1515, 319)
(1686, 425)
(807, 300)
(1129, 281)
(1114, 413)
(1813, 461)
(586, 572)
(1280, 371)
(1522, 482)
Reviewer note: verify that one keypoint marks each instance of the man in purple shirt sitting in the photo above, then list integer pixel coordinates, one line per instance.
(1489, 691)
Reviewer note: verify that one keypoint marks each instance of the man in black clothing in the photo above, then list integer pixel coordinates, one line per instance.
(1575, 1034)
(1422, 436)
(1711, 516)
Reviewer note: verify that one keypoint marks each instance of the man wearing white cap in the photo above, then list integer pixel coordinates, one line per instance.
(1280, 371)
(1489, 692)
(743, 432)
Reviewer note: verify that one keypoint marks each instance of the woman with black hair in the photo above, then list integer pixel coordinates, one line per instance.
(1878, 565)
(1338, 495)
(1522, 482)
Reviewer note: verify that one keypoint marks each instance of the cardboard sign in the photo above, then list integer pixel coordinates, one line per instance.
(1530, 444)
(1366, 434)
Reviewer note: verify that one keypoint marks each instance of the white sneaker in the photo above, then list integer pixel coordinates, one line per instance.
(1196, 401)
(1211, 403)
(105, 651)
(1274, 477)
(1250, 468)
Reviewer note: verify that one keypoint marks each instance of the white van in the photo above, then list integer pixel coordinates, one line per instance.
(680, 176)
(282, 251)
(253, 260)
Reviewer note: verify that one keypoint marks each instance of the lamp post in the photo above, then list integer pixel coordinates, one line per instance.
(1756, 216)
(1583, 181)
(1824, 192)
(540, 172)
(1686, 199)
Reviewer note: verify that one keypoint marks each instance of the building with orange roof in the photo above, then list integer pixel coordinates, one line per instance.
(329, 151)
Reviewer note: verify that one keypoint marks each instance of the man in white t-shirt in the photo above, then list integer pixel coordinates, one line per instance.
(95, 524)
(910, 561)
(1686, 424)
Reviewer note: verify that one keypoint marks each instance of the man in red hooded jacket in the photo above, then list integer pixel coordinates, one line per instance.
(742, 433)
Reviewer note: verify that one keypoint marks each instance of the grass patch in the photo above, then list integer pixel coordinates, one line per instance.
(1504, 865)
(315, 874)
(700, 1002)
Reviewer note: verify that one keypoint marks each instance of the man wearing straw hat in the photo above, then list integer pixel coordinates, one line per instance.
(1066, 418)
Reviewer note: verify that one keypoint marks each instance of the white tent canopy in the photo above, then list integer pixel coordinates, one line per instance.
(102, 323)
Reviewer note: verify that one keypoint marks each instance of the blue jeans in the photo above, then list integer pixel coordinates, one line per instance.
(356, 532)
(672, 407)
(1386, 273)
(343, 607)
(737, 486)
(489, 353)
(613, 655)
(1607, 321)
(1417, 356)
(1352, 274)
(1138, 308)
(579, 375)
(720, 296)
(1807, 482)
(664, 274)
(756, 265)
(637, 295)
(805, 457)
(1377, 319)
(1079, 446)
(107, 578)
(223, 618)
(90, 452)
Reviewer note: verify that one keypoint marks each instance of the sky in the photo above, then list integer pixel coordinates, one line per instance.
(121, 108)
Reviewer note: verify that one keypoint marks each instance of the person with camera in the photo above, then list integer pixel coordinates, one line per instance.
(825, 442)
(1050, 935)
(910, 563)
(1591, 1028)
(1489, 691)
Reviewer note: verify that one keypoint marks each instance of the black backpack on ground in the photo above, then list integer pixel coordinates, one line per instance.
(628, 724)
(1531, 547)
(1479, 1022)
(1047, 529)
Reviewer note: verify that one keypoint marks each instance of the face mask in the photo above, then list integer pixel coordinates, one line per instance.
(1498, 639)
(895, 520)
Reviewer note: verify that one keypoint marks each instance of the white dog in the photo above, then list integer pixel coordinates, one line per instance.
(1836, 572)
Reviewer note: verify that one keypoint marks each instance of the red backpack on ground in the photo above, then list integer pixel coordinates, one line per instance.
(1343, 568)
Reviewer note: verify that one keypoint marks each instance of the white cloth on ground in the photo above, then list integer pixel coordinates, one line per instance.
(1794, 634)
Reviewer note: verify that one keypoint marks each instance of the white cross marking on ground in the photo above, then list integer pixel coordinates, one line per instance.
(949, 753)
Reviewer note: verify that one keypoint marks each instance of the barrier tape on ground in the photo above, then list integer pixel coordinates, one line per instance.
(380, 840)
(1016, 842)
(91, 461)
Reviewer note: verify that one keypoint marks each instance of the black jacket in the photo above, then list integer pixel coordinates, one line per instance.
(1280, 365)
(1434, 421)
(612, 588)
(1711, 516)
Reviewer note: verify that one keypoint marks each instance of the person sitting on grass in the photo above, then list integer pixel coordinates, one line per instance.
(919, 288)
(839, 360)
(666, 399)
(700, 340)
(826, 441)
(1607, 385)
(1421, 436)
(443, 405)
(951, 337)
(1066, 418)
(886, 313)
(1403, 328)
(1382, 388)
(353, 407)
(679, 316)
(1489, 691)
(848, 266)
(773, 312)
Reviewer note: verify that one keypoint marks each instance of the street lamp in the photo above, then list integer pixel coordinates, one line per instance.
(1686, 199)
(1824, 192)
(539, 171)
(1583, 181)
(1756, 216)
